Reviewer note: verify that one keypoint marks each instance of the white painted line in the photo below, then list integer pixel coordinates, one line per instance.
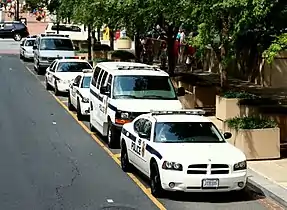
(110, 201)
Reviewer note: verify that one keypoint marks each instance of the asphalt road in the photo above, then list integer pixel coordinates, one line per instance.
(49, 160)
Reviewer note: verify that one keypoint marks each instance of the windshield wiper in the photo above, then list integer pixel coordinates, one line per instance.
(126, 96)
(153, 96)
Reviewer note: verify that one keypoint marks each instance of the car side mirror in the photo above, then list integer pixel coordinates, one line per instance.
(227, 135)
(180, 91)
(104, 90)
(75, 84)
(34, 47)
(143, 135)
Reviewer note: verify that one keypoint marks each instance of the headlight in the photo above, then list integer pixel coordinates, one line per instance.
(171, 166)
(85, 100)
(240, 166)
(124, 115)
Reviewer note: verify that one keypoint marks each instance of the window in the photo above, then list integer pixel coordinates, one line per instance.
(73, 66)
(99, 78)
(8, 26)
(86, 82)
(52, 66)
(104, 78)
(56, 44)
(95, 76)
(143, 87)
(187, 132)
(138, 125)
(75, 29)
(77, 80)
(147, 128)
(29, 43)
(109, 82)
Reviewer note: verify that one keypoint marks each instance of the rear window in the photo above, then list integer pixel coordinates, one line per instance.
(29, 43)
(73, 66)
(56, 44)
(66, 28)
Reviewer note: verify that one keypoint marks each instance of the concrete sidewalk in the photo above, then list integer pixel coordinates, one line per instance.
(269, 178)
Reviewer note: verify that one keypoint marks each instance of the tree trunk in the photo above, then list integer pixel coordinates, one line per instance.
(137, 47)
(93, 44)
(170, 50)
(89, 44)
(99, 35)
(112, 39)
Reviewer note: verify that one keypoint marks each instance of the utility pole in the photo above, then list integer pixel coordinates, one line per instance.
(17, 14)
(58, 21)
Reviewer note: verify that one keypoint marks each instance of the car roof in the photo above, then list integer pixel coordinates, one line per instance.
(72, 60)
(53, 37)
(131, 68)
(181, 118)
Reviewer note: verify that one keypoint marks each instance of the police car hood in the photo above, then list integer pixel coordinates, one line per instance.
(67, 76)
(195, 153)
(56, 53)
(85, 92)
(146, 105)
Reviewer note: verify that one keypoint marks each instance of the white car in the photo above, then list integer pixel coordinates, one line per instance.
(62, 72)
(182, 151)
(26, 48)
(79, 93)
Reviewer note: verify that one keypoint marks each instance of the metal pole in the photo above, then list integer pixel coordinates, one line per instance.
(18, 10)
(58, 23)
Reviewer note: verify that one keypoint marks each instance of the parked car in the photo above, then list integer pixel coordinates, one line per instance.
(13, 29)
(26, 48)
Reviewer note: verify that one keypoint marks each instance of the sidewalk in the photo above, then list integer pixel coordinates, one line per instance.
(269, 178)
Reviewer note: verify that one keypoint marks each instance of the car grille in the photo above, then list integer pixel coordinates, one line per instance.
(208, 169)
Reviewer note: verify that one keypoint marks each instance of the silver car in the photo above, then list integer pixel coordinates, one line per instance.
(26, 48)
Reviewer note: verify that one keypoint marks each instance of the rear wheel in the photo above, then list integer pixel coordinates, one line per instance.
(17, 37)
(111, 137)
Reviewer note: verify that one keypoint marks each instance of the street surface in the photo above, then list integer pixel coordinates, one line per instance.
(49, 160)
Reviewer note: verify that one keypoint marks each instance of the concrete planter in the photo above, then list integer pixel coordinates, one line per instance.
(257, 144)
(227, 108)
(124, 44)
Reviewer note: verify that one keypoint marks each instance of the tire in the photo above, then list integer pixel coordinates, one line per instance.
(48, 86)
(92, 128)
(155, 182)
(57, 92)
(21, 57)
(70, 106)
(17, 37)
(125, 163)
(79, 113)
(111, 137)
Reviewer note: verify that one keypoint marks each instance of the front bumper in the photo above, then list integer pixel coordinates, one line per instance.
(28, 55)
(85, 108)
(193, 182)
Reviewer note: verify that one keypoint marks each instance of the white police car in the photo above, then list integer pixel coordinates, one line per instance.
(26, 48)
(79, 93)
(61, 72)
(182, 151)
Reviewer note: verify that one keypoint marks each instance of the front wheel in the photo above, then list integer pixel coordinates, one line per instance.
(57, 92)
(48, 86)
(70, 106)
(155, 182)
(79, 112)
(112, 139)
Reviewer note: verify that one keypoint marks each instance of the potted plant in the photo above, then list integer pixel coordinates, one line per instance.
(124, 43)
(228, 105)
(258, 138)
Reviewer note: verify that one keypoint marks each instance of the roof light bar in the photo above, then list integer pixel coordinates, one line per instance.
(175, 112)
(137, 68)
(87, 70)
(53, 34)
(74, 57)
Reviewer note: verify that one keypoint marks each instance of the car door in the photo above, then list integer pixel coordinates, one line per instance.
(22, 47)
(50, 73)
(74, 90)
(106, 82)
(133, 140)
(7, 30)
(103, 101)
(95, 99)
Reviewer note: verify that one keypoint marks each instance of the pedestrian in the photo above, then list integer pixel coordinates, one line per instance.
(182, 46)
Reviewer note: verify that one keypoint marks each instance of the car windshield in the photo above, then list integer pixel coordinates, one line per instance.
(143, 87)
(56, 44)
(73, 66)
(29, 43)
(86, 82)
(187, 132)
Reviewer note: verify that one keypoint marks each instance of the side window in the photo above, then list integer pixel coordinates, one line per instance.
(104, 78)
(52, 66)
(109, 82)
(95, 76)
(8, 26)
(99, 79)
(147, 128)
(138, 125)
(77, 80)
(75, 29)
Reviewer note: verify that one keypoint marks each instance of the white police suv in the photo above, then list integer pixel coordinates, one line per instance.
(62, 72)
(121, 91)
(79, 93)
(182, 151)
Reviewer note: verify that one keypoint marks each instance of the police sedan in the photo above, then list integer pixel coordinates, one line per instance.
(26, 48)
(62, 72)
(182, 151)
(79, 94)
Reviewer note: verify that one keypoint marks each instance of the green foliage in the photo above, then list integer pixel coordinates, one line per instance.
(240, 95)
(279, 44)
(250, 123)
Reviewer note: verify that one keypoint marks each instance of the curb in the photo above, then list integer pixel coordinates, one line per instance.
(263, 186)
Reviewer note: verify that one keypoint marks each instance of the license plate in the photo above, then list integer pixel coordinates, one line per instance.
(206, 183)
